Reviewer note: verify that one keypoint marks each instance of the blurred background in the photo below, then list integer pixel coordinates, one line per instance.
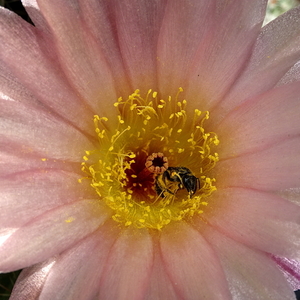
(274, 9)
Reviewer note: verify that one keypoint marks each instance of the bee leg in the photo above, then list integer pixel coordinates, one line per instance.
(159, 191)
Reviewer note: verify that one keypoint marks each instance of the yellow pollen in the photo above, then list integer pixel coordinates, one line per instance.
(70, 219)
(164, 130)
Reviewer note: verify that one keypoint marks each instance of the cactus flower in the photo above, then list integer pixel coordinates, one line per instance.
(150, 150)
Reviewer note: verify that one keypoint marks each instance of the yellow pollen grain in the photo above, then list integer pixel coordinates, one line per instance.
(70, 219)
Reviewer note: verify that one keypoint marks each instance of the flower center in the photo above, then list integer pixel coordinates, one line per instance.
(154, 167)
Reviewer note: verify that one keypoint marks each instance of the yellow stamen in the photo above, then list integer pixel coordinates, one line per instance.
(145, 126)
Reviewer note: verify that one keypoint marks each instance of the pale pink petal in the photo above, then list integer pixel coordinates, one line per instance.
(79, 55)
(39, 133)
(226, 50)
(161, 286)
(292, 75)
(31, 281)
(271, 169)
(49, 234)
(292, 194)
(250, 274)
(33, 10)
(259, 220)
(13, 90)
(179, 41)
(291, 270)
(267, 120)
(137, 27)
(12, 161)
(192, 265)
(99, 21)
(32, 62)
(276, 51)
(196, 45)
(77, 272)
(27, 195)
(128, 267)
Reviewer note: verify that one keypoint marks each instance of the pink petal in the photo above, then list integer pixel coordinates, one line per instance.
(12, 161)
(128, 266)
(195, 51)
(161, 286)
(292, 194)
(291, 270)
(35, 131)
(138, 24)
(33, 10)
(31, 281)
(127, 44)
(27, 195)
(191, 264)
(276, 51)
(227, 49)
(13, 90)
(33, 62)
(267, 120)
(271, 169)
(77, 272)
(99, 21)
(49, 234)
(292, 75)
(250, 274)
(79, 55)
(259, 220)
(179, 41)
